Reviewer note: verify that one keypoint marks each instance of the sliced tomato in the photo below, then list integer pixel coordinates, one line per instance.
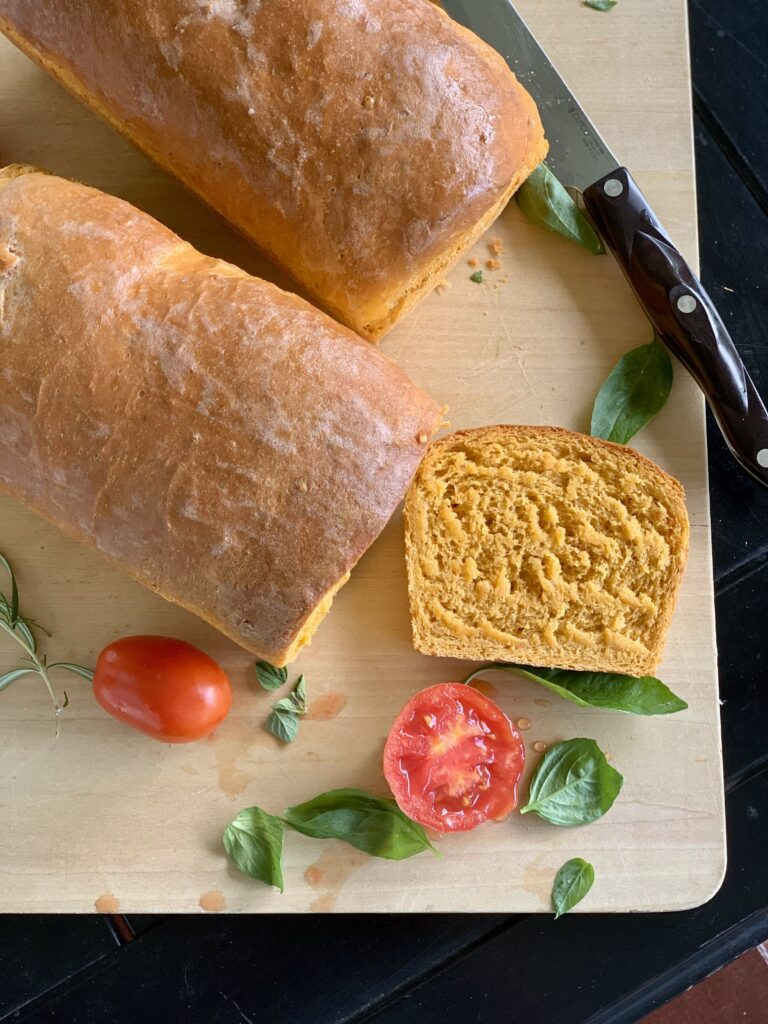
(453, 759)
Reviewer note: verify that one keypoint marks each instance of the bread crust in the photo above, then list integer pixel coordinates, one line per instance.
(426, 640)
(362, 144)
(220, 440)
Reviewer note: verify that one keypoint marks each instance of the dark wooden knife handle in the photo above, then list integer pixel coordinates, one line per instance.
(682, 313)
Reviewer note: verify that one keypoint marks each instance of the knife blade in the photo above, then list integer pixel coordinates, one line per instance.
(673, 298)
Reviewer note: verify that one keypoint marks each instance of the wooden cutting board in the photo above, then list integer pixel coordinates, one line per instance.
(105, 818)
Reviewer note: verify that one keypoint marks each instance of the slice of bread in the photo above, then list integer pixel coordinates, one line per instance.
(544, 547)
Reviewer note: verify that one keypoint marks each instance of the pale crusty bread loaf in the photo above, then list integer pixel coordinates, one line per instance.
(362, 144)
(543, 547)
(222, 441)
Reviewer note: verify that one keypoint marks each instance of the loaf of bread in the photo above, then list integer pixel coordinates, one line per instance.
(543, 547)
(220, 440)
(362, 144)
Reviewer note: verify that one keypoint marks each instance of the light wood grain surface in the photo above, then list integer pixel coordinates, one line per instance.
(106, 816)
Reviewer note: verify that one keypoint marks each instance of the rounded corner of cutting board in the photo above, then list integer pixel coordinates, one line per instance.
(708, 885)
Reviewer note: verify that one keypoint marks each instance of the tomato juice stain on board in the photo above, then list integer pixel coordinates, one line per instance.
(313, 875)
(542, 702)
(537, 880)
(231, 743)
(326, 706)
(523, 724)
(107, 904)
(329, 873)
(212, 902)
(540, 746)
(484, 687)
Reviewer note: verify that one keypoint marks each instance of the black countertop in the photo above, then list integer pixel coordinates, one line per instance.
(596, 968)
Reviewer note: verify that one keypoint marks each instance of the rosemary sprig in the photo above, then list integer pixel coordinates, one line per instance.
(20, 627)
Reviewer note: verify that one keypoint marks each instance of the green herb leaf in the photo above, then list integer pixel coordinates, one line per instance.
(14, 602)
(477, 277)
(19, 627)
(285, 704)
(572, 883)
(269, 677)
(374, 825)
(634, 696)
(573, 784)
(634, 391)
(254, 841)
(544, 201)
(26, 634)
(283, 722)
(600, 5)
(299, 696)
(11, 677)
(78, 670)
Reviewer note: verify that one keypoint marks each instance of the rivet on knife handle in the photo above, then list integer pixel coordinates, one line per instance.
(682, 313)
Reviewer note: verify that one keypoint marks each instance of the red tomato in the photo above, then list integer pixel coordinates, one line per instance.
(453, 759)
(166, 688)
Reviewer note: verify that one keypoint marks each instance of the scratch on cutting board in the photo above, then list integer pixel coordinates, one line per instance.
(513, 348)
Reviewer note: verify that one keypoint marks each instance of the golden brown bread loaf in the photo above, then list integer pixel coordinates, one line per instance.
(540, 546)
(220, 440)
(362, 144)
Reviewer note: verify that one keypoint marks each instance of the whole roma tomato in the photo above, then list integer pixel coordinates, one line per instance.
(453, 759)
(166, 688)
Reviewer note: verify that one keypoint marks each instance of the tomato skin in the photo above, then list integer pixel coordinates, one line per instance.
(453, 759)
(163, 687)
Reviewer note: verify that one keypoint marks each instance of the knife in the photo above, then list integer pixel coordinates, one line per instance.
(670, 293)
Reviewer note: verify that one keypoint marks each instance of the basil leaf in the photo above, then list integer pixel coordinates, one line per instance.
(11, 677)
(254, 841)
(283, 723)
(269, 677)
(600, 5)
(645, 695)
(633, 392)
(285, 704)
(477, 277)
(374, 825)
(544, 201)
(572, 883)
(573, 784)
(299, 696)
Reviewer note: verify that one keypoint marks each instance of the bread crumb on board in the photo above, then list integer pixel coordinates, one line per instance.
(474, 262)
(442, 286)
(492, 264)
(496, 246)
